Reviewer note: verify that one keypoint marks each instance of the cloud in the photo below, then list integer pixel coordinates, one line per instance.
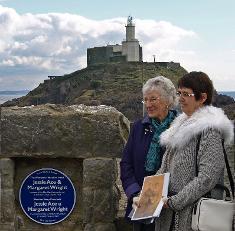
(33, 46)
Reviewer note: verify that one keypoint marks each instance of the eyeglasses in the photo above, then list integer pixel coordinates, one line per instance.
(184, 94)
(151, 100)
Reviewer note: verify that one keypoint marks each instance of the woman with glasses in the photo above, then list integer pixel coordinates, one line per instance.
(194, 152)
(142, 154)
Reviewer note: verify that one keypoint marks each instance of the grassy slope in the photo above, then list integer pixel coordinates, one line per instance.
(114, 84)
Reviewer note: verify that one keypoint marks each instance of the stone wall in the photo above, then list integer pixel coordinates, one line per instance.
(82, 142)
(99, 55)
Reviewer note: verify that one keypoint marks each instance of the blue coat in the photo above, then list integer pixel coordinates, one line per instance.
(133, 159)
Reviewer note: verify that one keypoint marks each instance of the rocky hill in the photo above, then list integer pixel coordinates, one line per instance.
(115, 84)
(230, 111)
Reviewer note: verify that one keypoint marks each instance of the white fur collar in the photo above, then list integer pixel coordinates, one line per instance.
(184, 128)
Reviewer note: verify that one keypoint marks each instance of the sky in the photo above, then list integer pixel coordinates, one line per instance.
(41, 38)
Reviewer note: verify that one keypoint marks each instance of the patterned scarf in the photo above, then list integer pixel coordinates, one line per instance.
(154, 157)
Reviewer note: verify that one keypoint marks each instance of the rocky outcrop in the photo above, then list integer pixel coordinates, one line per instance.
(220, 100)
(115, 84)
(230, 111)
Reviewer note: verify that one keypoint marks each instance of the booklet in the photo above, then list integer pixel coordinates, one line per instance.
(154, 188)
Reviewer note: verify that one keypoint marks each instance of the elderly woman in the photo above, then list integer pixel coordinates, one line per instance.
(142, 155)
(201, 121)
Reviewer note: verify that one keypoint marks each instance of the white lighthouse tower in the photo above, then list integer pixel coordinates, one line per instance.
(131, 47)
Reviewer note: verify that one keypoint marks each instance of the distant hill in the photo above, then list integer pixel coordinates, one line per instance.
(115, 84)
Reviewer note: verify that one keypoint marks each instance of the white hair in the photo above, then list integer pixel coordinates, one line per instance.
(165, 88)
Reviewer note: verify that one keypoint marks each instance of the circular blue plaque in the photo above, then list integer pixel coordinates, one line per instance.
(47, 196)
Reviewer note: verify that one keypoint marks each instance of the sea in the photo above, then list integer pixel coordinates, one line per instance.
(9, 95)
(229, 93)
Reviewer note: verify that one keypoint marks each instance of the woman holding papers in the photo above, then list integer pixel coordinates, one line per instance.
(142, 154)
(198, 122)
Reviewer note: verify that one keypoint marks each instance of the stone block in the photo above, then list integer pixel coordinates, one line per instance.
(99, 172)
(100, 227)
(7, 173)
(63, 131)
(99, 205)
(7, 226)
(7, 205)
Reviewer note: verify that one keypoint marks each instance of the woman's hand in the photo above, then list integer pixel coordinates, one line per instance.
(136, 203)
(165, 200)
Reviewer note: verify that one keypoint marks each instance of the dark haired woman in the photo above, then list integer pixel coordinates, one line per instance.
(195, 91)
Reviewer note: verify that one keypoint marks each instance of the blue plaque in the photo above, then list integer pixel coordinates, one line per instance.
(47, 196)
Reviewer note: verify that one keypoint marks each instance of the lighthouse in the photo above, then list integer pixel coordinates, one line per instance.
(131, 47)
(130, 30)
(129, 51)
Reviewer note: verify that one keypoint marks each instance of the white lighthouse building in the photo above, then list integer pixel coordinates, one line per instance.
(131, 47)
(129, 51)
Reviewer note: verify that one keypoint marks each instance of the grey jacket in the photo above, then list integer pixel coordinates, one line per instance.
(180, 140)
